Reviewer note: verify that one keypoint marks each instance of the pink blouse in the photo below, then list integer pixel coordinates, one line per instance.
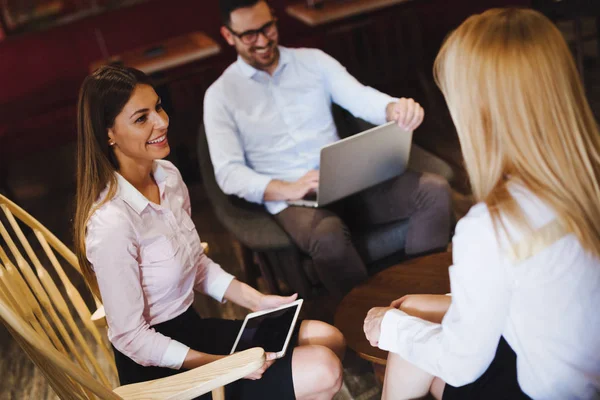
(148, 260)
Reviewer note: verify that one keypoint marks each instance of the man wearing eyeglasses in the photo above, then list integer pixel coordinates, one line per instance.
(268, 116)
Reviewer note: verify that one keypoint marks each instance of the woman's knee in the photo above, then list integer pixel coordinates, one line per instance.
(404, 380)
(316, 370)
(322, 334)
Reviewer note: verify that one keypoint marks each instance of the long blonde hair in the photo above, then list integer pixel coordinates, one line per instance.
(101, 98)
(521, 114)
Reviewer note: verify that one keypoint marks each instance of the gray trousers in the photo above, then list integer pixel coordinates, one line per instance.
(324, 234)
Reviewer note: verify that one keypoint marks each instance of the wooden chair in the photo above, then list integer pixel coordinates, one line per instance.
(39, 315)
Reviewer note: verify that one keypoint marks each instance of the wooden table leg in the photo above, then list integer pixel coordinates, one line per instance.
(379, 371)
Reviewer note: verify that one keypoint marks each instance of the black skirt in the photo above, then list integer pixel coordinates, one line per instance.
(499, 381)
(213, 336)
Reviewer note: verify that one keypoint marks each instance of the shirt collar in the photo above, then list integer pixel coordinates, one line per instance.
(249, 71)
(133, 197)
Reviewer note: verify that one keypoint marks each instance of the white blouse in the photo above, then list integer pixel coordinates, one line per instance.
(544, 303)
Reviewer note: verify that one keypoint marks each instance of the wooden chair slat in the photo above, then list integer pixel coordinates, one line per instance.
(19, 287)
(64, 311)
(59, 365)
(76, 299)
(31, 222)
(62, 384)
(60, 304)
(6, 296)
(38, 289)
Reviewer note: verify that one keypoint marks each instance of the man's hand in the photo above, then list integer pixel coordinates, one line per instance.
(280, 191)
(269, 360)
(268, 302)
(407, 113)
(303, 186)
(372, 325)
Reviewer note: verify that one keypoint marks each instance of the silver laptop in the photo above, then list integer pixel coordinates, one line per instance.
(359, 162)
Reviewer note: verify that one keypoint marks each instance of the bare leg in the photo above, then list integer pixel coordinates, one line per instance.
(316, 372)
(316, 363)
(322, 334)
(404, 380)
(437, 388)
(430, 307)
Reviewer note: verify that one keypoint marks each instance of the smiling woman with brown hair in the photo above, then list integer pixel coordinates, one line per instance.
(523, 317)
(140, 252)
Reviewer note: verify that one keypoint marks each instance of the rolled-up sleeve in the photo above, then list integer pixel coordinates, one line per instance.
(211, 279)
(462, 347)
(112, 249)
(362, 101)
(227, 153)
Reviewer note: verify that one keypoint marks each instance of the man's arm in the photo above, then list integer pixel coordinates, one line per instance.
(227, 153)
(228, 157)
(365, 102)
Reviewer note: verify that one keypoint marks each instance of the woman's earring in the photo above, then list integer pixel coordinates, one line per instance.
(111, 143)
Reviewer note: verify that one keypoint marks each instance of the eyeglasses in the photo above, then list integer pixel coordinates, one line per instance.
(269, 30)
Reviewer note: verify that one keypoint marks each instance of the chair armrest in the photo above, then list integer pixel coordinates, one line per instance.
(206, 247)
(99, 317)
(198, 381)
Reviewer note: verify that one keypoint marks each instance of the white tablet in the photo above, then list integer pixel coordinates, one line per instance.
(270, 330)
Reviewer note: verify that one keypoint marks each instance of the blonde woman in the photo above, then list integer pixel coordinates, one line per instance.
(523, 317)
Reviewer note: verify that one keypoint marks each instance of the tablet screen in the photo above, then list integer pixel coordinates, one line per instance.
(268, 331)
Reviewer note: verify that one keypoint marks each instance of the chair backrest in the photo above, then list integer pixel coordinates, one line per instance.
(567, 8)
(249, 223)
(51, 322)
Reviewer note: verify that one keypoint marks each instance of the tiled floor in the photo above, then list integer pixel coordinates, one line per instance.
(43, 184)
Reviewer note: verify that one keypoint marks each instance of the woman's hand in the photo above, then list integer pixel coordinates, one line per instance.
(250, 298)
(268, 302)
(372, 325)
(269, 360)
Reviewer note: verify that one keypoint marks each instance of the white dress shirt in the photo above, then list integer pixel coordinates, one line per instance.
(148, 260)
(544, 303)
(261, 127)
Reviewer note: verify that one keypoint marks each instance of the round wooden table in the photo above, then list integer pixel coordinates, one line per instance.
(424, 275)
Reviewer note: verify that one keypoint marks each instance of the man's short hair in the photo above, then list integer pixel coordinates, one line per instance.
(226, 7)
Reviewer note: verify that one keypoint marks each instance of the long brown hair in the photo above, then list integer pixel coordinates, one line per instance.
(522, 116)
(102, 97)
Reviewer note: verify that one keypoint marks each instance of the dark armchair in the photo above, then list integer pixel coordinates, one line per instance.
(574, 11)
(265, 243)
